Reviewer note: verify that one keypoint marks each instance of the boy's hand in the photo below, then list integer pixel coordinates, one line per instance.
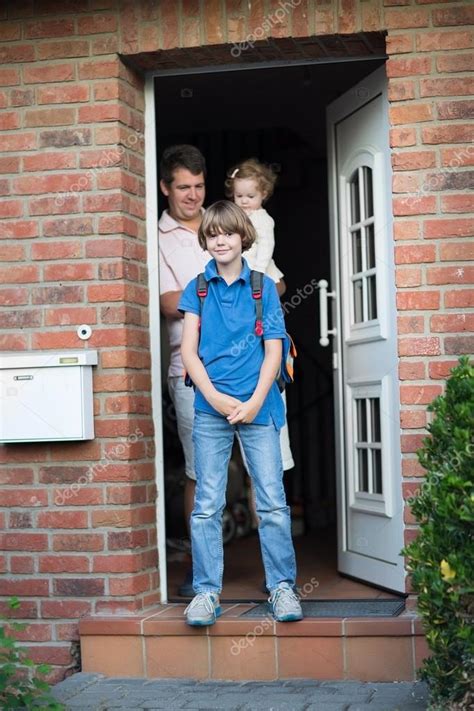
(225, 404)
(245, 412)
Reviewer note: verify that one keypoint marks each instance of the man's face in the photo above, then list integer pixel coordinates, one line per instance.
(185, 194)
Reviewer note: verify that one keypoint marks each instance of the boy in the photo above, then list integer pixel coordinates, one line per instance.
(234, 372)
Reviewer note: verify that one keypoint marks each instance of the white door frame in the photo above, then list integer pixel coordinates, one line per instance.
(151, 204)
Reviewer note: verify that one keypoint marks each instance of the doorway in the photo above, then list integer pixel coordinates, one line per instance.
(279, 116)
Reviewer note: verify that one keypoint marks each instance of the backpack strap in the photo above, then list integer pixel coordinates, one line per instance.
(201, 289)
(256, 283)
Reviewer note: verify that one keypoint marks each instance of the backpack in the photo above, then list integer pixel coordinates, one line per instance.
(286, 372)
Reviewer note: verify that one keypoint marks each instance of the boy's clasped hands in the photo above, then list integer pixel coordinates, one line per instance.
(233, 409)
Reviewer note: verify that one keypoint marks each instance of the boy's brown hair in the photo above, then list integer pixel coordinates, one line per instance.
(224, 217)
(254, 170)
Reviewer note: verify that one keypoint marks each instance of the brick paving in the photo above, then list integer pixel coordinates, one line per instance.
(94, 692)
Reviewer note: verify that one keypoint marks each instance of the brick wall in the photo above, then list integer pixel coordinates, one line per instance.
(73, 250)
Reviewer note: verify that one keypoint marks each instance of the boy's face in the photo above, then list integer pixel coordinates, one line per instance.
(185, 194)
(225, 248)
(247, 194)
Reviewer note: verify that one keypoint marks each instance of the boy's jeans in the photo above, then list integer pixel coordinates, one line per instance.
(213, 437)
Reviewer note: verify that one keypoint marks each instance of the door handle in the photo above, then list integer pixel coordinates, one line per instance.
(323, 312)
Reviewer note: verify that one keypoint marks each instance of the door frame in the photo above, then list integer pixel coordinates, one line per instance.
(151, 206)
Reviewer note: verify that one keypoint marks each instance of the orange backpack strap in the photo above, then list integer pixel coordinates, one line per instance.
(256, 283)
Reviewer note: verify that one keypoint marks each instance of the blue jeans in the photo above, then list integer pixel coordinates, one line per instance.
(213, 438)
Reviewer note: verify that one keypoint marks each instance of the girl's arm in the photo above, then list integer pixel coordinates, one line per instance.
(247, 411)
(264, 225)
(224, 404)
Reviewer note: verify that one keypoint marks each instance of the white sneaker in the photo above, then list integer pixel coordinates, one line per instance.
(285, 604)
(203, 609)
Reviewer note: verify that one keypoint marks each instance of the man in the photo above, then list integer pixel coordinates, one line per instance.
(182, 181)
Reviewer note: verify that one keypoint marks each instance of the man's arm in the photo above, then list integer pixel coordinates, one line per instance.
(169, 304)
(281, 287)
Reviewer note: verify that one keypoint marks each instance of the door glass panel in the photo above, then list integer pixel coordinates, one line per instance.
(361, 420)
(377, 471)
(355, 201)
(358, 301)
(375, 418)
(368, 192)
(371, 297)
(363, 470)
(370, 246)
(356, 252)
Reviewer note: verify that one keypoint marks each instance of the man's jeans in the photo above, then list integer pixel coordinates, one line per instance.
(213, 438)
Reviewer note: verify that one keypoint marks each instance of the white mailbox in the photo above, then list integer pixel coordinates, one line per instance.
(46, 396)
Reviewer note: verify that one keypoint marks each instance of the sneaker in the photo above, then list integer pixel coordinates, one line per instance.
(203, 609)
(186, 588)
(285, 604)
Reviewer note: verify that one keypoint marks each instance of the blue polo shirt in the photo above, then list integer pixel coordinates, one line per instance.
(231, 352)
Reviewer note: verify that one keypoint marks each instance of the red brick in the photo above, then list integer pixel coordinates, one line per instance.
(94, 24)
(18, 142)
(405, 183)
(20, 319)
(22, 97)
(406, 229)
(67, 316)
(96, 114)
(64, 94)
(12, 252)
(14, 296)
(440, 370)
(455, 62)
(457, 203)
(65, 227)
(110, 202)
(49, 117)
(22, 274)
(459, 345)
(451, 110)
(9, 120)
(69, 631)
(20, 519)
(10, 342)
(16, 475)
(11, 208)
(23, 498)
(22, 564)
(101, 159)
(75, 587)
(450, 275)
(25, 587)
(458, 133)
(402, 137)
(459, 298)
(457, 157)
(48, 73)
(406, 18)
(411, 370)
(78, 542)
(130, 585)
(413, 419)
(62, 519)
(63, 50)
(99, 69)
(9, 77)
(408, 67)
(65, 609)
(66, 182)
(436, 41)
(451, 86)
(460, 227)
(65, 137)
(457, 251)
(412, 467)
(399, 44)
(414, 254)
(56, 250)
(419, 394)
(418, 346)
(453, 16)
(69, 272)
(24, 541)
(410, 324)
(410, 113)
(414, 205)
(401, 90)
(49, 161)
(127, 358)
(58, 340)
(105, 45)
(57, 295)
(10, 31)
(63, 564)
(408, 277)
(51, 206)
(413, 300)
(19, 229)
(34, 633)
(456, 323)
(49, 28)
(17, 53)
(9, 164)
(75, 496)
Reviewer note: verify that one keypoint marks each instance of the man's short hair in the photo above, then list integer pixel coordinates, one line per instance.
(181, 156)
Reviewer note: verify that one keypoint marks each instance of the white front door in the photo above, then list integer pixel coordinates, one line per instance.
(370, 508)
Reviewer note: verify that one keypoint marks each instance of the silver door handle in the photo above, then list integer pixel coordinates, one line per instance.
(323, 312)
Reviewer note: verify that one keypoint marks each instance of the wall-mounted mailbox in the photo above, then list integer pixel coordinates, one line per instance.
(46, 396)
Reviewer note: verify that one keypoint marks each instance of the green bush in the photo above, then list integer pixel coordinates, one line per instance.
(441, 558)
(21, 683)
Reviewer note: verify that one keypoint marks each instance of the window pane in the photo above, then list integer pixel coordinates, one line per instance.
(368, 192)
(354, 193)
(371, 297)
(363, 469)
(370, 246)
(375, 418)
(358, 308)
(356, 252)
(377, 471)
(361, 420)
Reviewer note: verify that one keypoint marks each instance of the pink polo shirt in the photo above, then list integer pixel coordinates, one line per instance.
(181, 259)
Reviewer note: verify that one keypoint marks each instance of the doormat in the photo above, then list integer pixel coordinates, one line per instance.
(339, 608)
